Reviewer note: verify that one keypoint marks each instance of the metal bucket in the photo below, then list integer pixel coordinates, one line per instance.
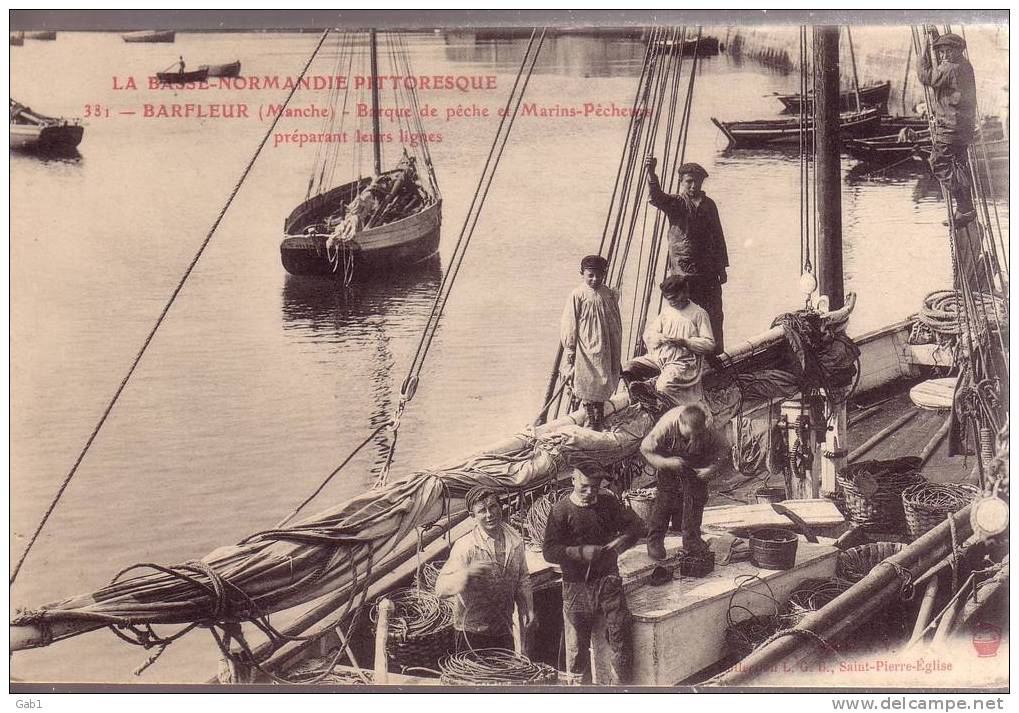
(773, 548)
(773, 494)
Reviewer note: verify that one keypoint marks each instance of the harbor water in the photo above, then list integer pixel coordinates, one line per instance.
(258, 383)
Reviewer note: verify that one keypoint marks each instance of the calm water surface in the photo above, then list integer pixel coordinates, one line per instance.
(259, 383)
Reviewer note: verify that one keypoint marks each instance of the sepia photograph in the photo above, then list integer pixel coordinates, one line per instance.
(537, 351)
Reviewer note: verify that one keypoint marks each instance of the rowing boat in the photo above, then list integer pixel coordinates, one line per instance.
(150, 36)
(230, 69)
(786, 132)
(871, 96)
(195, 75)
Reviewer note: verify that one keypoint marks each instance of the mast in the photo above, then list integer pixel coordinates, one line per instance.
(828, 174)
(376, 133)
(856, 78)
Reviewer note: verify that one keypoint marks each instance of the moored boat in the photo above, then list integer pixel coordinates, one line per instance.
(706, 46)
(17, 39)
(41, 35)
(230, 69)
(150, 36)
(195, 75)
(31, 131)
(367, 226)
(870, 96)
(786, 132)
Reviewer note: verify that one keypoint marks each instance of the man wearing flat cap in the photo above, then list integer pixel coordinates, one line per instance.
(486, 576)
(955, 108)
(585, 534)
(696, 242)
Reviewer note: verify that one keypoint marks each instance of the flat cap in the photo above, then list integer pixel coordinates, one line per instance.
(694, 169)
(950, 39)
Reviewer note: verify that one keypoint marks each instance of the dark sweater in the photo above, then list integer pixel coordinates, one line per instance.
(571, 526)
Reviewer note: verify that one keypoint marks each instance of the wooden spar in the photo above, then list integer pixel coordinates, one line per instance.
(856, 79)
(926, 608)
(932, 445)
(843, 616)
(829, 169)
(381, 634)
(376, 136)
(882, 434)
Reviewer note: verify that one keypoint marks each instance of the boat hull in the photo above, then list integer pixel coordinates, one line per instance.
(231, 69)
(197, 75)
(786, 132)
(155, 36)
(41, 35)
(403, 243)
(46, 139)
(874, 95)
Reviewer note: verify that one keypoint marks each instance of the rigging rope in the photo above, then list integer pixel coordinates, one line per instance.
(508, 117)
(162, 315)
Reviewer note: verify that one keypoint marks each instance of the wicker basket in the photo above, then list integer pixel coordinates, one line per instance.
(744, 635)
(856, 563)
(873, 492)
(641, 501)
(809, 596)
(406, 649)
(927, 504)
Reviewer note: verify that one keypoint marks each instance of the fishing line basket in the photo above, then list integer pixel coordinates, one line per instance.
(641, 501)
(856, 563)
(420, 628)
(809, 596)
(927, 504)
(428, 574)
(873, 492)
(745, 634)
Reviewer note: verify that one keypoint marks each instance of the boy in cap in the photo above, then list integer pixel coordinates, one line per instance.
(676, 340)
(592, 338)
(585, 534)
(686, 452)
(954, 105)
(696, 242)
(487, 575)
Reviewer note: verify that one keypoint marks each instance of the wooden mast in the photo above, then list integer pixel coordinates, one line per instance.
(828, 174)
(856, 77)
(376, 133)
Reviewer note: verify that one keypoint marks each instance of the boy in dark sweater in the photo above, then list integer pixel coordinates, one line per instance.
(585, 534)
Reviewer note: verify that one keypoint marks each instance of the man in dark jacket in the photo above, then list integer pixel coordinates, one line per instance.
(585, 534)
(955, 107)
(696, 242)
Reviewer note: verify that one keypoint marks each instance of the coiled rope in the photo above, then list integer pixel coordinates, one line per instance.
(162, 315)
(489, 667)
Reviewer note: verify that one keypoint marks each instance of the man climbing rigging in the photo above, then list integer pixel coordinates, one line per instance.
(696, 242)
(955, 106)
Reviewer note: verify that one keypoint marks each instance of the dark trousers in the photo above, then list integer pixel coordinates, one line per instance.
(685, 507)
(706, 292)
(469, 640)
(584, 603)
(950, 164)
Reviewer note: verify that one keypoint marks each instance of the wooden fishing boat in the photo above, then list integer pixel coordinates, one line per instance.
(317, 574)
(367, 226)
(189, 77)
(150, 36)
(786, 132)
(31, 131)
(41, 35)
(910, 136)
(885, 149)
(871, 96)
(706, 46)
(17, 39)
(989, 155)
(230, 69)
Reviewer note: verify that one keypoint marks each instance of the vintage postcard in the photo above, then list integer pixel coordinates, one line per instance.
(532, 351)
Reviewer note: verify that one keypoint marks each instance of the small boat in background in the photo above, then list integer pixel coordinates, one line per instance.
(872, 95)
(150, 36)
(786, 132)
(31, 131)
(231, 69)
(195, 75)
(707, 46)
(904, 136)
(41, 35)
(17, 39)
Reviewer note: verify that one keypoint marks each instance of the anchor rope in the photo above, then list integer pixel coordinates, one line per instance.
(162, 315)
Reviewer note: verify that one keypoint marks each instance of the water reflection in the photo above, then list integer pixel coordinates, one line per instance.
(72, 157)
(323, 308)
(376, 316)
